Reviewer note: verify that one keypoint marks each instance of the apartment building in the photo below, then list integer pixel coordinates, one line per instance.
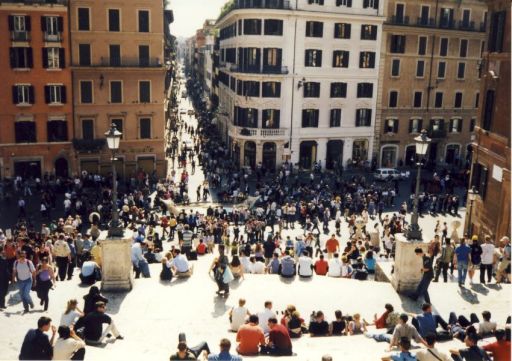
(490, 172)
(430, 79)
(119, 77)
(36, 116)
(298, 81)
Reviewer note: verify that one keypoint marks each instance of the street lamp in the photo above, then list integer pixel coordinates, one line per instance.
(472, 195)
(422, 142)
(113, 139)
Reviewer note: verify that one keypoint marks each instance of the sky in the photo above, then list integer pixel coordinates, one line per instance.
(189, 15)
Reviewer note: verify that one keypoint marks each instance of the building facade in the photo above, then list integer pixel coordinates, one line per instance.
(490, 171)
(36, 98)
(298, 81)
(430, 79)
(119, 77)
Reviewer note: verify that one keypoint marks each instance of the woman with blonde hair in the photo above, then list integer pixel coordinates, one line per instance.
(166, 274)
(356, 327)
(71, 314)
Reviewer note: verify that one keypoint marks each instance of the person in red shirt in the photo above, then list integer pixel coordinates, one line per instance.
(321, 266)
(332, 245)
(500, 349)
(201, 248)
(249, 337)
(279, 342)
(380, 322)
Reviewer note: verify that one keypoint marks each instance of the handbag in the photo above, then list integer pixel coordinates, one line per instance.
(228, 276)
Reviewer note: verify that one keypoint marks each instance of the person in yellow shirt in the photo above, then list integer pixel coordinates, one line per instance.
(96, 253)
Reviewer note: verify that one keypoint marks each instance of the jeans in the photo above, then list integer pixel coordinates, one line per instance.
(62, 264)
(442, 267)
(462, 269)
(422, 289)
(483, 268)
(382, 337)
(25, 286)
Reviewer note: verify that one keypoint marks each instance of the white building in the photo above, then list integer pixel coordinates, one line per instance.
(298, 80)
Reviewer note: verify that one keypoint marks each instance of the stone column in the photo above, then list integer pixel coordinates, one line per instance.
(259, 152)
(116, 271)
(407, 271)
(321, 153)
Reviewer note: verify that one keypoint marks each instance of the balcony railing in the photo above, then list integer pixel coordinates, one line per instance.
(426, 22)
(437, 133)
(20, 35)
(255, 4)
(257, 70)
(88, 145)
(38, 2)
(52, 37)
(126, 62)
(448, 24)
(399, 20)
(266, 133)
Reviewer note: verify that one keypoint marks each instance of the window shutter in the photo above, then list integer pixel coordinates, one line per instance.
(31, 95)
(395, 126)
(15, 94)
(47, 94)
(63, 98)
(12, 57)
(28, 24)
(319, 57)
(62, 58)
(358, 117)
(459, 125)
(410, 125)
(420, 125)
(348, 29)
(30, 58)
(43, 24)
(349, 3)
(451, 125)
(11, 23)
(306, 63)
(372, 60)
(45, 58)
(483, 181)
(60, 24)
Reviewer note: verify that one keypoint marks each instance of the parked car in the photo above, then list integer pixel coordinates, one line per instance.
(385, 174)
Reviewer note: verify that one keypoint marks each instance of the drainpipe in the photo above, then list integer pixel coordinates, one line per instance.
(430, 87)
(72, 98)
(293, 84)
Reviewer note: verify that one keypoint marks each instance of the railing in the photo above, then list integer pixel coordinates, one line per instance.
(399, 20)
(88, 145)
(448, 24)
(254, 4)
(258, 132)
(20, 35)
(426, 22)
(257, 70)
(52, 37)
(437, 133)
(38, 2)
(126, 62)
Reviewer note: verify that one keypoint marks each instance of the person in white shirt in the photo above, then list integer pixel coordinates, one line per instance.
(264, 316)
(181, 266)
(305, 265)
(334, 266)
(346, 270)
(238, 315)
(68, 346)
(487, 260)
(257, 267)
(432, 353)
(72, 313)
(246, 263)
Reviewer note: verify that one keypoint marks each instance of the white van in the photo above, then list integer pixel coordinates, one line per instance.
(387, 174)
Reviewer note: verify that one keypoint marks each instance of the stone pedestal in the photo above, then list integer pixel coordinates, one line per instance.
(407, 270)
(116, 271)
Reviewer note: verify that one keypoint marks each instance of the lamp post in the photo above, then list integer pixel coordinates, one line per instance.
(472, 194)
(422, 142)
(113, 139)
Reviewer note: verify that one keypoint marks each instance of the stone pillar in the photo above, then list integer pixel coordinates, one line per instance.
(259, 152)
(116, 271)
(407, 271)
(321, 153)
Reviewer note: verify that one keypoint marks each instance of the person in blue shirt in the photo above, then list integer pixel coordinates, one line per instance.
(405, 354)
(462, 253)
(426, 323)
(224, 354)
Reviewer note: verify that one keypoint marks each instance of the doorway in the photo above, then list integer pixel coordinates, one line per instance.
(334, 153)
(307, 154)
(250, 154)
(269, 156)
(27, 169)
(61, 168)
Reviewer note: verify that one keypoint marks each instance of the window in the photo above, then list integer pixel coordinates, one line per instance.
(57, 130)
(21, 58)
(496, 31)
(313, 58)
(365, 90)
(438, 100)
(443, 47)
(249, 59)
(367, 59)
(415, 125)
(83, 19)
(318, 2)
(340, 59)
(246, 117)
(342, 31)
(270, 118)
(84, 54)
(393, 99)
(395, 67)
(488, 110)
(368, 32)
(310, 118)
(231, 55)
(446, 18)
(441, 70)
(252, 27)
(311, 90)
(314, 29)
(251, 88)
(338, 90)
(25, 132)
(273, 27)
(373, 4)
(145, 128)
(143, 55)
(466, 18)
(86, 91)
(23, 94)
(143, 21)
(418, 97)
(472, 124)
(87, 129)
(53, 58)
(19, 25)
(118, 122)
(463, 48)
(115, 55)
(400, 13)
(437, 126)
(420, 68)
(422, 45)
(52, 26)
(363, 117)
(55, 94)
(455, 125)
(397, 44)
(424, 15)
(479, 176)
(461, 70)
(116, 91)
(335, 120)
(144, 91)
(272, 60)
(114, 20)
(477, 99)
(347, 3)
(271, 89)
(391, 125)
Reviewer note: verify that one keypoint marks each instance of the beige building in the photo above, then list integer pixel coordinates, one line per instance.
(119, 77)
(430, 78)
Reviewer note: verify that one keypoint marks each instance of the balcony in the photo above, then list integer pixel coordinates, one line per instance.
(88, 145)
(257, 133)
(283, 70)
(447, 24)
(126, 62)
(52, 38)
(36, 2)
(436, 133)
(254, 4)
(399, 20)
(20, 35)
(426, 22)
